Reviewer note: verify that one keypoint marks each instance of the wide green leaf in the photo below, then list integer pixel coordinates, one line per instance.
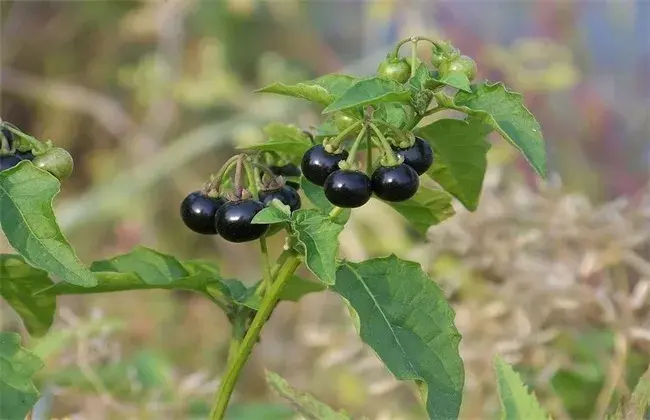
(285, 139)
(27, 219)
(316, 196)
(421, 78)
(304, 404)
(404, 317)
(516, 402)
(277, 212)
(373, 90)
(455, 79)
(426, 208)
(317, 237)
(505, 111)
(297, 287)
(144, 269)
(398, 115)
(460, 161)
(322, 90)
(18, 283)
(17, 366)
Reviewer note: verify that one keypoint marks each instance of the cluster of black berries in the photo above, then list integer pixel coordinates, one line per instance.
(211, 213)
(9, 161)
(353, 188)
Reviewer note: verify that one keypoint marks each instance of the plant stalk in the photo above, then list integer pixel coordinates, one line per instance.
(269, 301)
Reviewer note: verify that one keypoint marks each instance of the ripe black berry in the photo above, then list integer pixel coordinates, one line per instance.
(419, 156)
(318, 164)
(7, 162)
(286, 195)
(198, 212)
(348, 189)
(287, 170)
(234, 218)
(395, 183)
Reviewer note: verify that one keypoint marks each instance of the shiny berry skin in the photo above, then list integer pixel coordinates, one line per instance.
(318, 164)
(198, 212)
(419, 156)
(286, 195)
(287, 170)
(7, 162)
(234, 219)
(348, 189)
(395, 183)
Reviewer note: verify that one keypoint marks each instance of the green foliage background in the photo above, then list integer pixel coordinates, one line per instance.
(151, 98)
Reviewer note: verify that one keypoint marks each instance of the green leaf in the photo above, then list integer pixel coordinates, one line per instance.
(406, 320)
(145, 269)
(297, 287)
(516, 402)
(316, 196)
(287, 140)
(274, 213)
(397, 115)
(455, 79)
(322, 90)
(460, 160)
(27, 219)
(426, 208)
(17, 366)
(421, 78)
(637, 406)
(374, 90)
(317, 236)
(505, 111)
(255, 411)
(18, 283)
(304, 404)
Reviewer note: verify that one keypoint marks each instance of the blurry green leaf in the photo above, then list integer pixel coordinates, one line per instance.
(279, 213)
(374, 90)
(318, 241)
(504, 110)
(405, 318)
(426, 208)
(455, 79)
(287, 140)
(304, 404)
(460, 157)
(17, 366)
(256, 411)
(322, 90)
(142, 269)
(18, 282)
(297, 287)
(27, 219)
(316, 196)
(638, 405)
(516, 402)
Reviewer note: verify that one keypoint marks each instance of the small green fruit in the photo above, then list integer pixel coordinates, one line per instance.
(56, 161)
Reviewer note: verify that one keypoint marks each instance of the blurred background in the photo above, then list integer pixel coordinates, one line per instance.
(151, 97)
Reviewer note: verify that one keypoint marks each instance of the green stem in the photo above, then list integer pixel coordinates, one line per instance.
(368, 152)
(399, 45)
(252, 181)
(336, 141)
(355, 146)
(252, 335)
(335, 212)
(36, 145)
(414, 55)
(265, 263)
(223, 172)
(388, 151)
(399, 133)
